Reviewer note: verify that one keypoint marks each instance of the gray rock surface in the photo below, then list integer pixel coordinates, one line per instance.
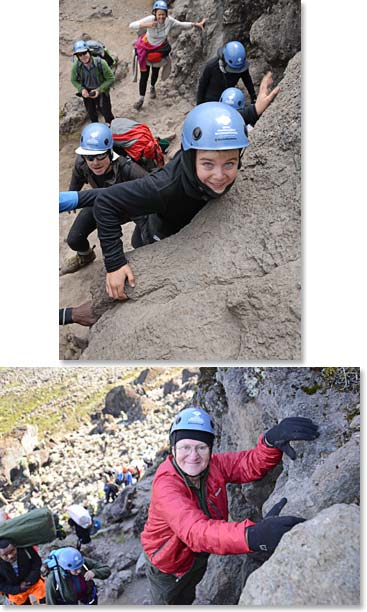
(246, 304)
(316, 563)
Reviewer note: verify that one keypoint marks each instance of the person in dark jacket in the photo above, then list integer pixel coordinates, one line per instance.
(71, 581)
(97, 165)
(224, 71)
(92, 77)
(188, 512)
(213, 137)
(20, 574)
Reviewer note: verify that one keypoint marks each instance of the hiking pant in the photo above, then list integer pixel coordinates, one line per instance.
(102, 104)
(38, 590)
(144, 76)
(168, 589)
(83, 225)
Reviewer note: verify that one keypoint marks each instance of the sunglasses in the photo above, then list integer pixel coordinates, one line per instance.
(82, 53)
(98, 156)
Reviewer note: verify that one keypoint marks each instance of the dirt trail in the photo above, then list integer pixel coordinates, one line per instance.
(76, 18)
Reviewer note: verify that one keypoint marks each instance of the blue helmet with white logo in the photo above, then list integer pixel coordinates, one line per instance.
(234, 54)
(194, 419)
(80, 46)
(214, 126)
(160, 4)
(95, 138)
(70, 558)
(234, 97)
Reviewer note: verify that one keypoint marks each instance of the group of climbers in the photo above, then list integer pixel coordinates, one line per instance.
(213, 139)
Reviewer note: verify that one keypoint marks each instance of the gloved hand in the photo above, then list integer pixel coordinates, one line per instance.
(291, 428)
(266, 534)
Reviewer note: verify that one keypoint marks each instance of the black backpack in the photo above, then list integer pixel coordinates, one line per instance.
(98, 49)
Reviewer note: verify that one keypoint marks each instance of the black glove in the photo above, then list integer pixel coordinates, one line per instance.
(265, 535)
(292, 428)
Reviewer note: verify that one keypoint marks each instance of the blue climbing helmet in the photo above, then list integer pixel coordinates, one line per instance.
(234, 54)
(234, 97)
(193, 423)
(160, 4)
(95, 138)
(214, 126)
(70, 558)
(80, 46)
(193, 418)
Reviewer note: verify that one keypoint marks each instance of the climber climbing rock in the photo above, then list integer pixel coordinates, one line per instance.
(188, 513)
(213, 137)
(20, 574)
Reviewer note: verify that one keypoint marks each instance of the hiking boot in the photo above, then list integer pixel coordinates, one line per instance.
(78, 261)
(152, 93)
(139, 104)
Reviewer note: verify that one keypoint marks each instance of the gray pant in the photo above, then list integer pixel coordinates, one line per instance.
(168, 589)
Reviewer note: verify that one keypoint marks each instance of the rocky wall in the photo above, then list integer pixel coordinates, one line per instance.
(322, 485)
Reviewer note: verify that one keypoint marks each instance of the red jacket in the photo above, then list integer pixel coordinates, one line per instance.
(177, 528)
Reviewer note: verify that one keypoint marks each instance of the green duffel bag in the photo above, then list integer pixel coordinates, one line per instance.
(34, 527)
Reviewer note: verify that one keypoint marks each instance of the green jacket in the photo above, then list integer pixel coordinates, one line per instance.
(52, 591)
(105, 75)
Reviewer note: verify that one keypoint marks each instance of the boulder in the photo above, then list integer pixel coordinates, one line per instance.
(316, 563)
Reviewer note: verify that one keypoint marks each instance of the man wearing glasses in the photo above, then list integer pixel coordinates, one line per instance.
(92, 78)
(188, 513)
(97, 165)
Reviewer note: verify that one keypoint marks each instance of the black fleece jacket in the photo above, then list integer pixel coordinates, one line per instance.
(174, 193)
(29, 566)
(213, 82)
(121, 170)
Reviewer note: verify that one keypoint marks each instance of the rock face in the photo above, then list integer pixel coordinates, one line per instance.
(317, 563)
(246, 303)
(322, 485)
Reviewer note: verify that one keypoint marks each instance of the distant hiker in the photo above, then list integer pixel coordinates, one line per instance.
(188, 513)
(153, 48)
(111, 491)
(97, 165)
(83, 315)
(81, 520)
(252, 112)
(20, 574)
(124, 477)
(206, 167)
(71, 579)
(92, 78)
(224, 71)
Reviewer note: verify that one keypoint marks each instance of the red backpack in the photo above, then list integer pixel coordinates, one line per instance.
(136, 141)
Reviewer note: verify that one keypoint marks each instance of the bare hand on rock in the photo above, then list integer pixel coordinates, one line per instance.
(266, 96)
(115, 282)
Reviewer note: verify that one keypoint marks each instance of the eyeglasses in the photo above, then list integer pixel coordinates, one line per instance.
(81, 53)
(98, 156)
(186, 450)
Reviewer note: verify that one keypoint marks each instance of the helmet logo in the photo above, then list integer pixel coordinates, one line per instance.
(196, 418)
(196, 133)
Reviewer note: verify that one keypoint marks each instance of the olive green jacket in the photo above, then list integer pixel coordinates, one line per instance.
(53, 596)
(105, 75)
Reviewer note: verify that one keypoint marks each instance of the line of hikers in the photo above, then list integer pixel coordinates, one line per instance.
(160, 203)
(187, 519)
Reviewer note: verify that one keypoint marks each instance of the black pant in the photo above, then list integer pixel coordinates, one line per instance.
(83, 225)
(101, 104)
(167, 589)
(144, 76)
